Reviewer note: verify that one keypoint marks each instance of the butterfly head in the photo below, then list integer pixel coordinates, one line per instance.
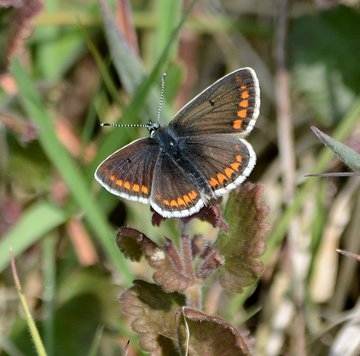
(152, 127)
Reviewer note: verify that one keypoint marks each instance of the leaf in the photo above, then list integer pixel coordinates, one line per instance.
(134, 244)
(242, 247)
(153, 311)
(345, 153)
(15, 16)
(166, 261)
(201, 334)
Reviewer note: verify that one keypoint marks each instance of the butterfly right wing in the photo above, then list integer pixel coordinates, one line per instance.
(128, 172)
(230, 105)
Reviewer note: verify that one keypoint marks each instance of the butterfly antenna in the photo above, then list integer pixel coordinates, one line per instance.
(150, 126)
(163, 77)
(122, 125)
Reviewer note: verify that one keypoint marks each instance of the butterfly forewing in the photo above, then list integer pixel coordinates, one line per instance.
(230, 105)
(129, 171)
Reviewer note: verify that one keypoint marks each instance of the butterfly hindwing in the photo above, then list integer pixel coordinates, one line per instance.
(174, 193)
(225, 160)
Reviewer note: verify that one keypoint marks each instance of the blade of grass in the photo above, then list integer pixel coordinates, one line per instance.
(168, 15)
(345, 153)
(128, 65)
(67, 168)
(37, 220)
(49, 285)
(95, 345)
(34, 332)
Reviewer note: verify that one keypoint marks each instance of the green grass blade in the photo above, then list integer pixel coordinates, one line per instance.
(345, 153)
(168, 15)
(34, 332)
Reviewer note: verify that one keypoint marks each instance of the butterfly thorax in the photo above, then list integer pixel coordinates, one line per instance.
(168, 140)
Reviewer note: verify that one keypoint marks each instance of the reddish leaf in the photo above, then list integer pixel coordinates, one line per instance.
(166, 261)
(201, 334)
(154, 316)
(134, 244)
(242, 247)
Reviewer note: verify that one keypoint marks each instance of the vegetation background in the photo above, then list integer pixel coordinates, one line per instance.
(65, 75)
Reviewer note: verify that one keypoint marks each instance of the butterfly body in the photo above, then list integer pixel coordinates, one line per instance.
(201, 155)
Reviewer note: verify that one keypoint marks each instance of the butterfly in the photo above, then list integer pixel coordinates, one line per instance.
(200, 156)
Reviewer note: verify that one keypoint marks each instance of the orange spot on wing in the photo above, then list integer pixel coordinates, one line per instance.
(245, 94)
(166, 202)
(181, 201)
(237, 124)
(119, 182)
(229, 172)
(127, 185)
(235, 166)
(242, 113)
(221, 177)
(174, 203)
(213, 182)
(238, 158)
(136, 188)
(187, 199)
(193, 195)
(244, 103)
(144, 189)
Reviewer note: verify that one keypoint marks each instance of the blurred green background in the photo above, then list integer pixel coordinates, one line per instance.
(78, 63)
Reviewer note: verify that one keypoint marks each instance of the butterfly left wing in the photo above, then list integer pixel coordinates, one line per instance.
(128, 172)
(230, 105)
